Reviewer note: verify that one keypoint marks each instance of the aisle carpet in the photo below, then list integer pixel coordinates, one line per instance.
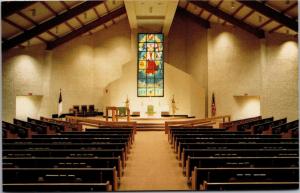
(152, 165)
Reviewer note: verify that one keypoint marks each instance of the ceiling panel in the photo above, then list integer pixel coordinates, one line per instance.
(243, 12)
(256, 19)
(8, 30)
(56, 6)
(286, 31)
(47, 36)
(88, 16)
(229, 6)
(74, 23)
(60, 30)
(270, 26)
(37, 12)
(101, 9)
(20, 21)
(280, 5)
(112, 4)
(73, 3)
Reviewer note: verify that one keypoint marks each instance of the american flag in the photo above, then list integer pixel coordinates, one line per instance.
(213, 106)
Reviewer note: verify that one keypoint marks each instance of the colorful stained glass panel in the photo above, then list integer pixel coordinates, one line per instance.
(150, 65)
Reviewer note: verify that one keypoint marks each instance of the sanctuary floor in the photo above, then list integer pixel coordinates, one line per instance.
(152, 165)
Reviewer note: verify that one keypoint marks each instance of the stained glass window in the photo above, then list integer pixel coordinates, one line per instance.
(150, 65)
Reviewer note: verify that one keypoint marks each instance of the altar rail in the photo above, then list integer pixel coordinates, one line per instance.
(195, 122)
(97, 123)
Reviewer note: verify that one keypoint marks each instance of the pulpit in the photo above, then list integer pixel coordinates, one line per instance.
(115, 113)
(150, 110)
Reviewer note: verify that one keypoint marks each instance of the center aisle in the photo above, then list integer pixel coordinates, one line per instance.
(152, 165)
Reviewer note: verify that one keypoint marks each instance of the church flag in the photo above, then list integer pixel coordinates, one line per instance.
(213, 106)
(60, 107)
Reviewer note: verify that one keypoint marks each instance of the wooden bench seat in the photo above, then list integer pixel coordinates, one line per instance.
(235, 146)
(52, 128)
(64, 162)
(230, 186)
(199, 137)
(68, 126)
(67, 140)
(32, 127)
(199, 175)
(11, 153)
(231, 125)
(14, 131)
(60, 175)
(57, 187)
(196, 133)
(214, 162)
(249, 125)
(237, 153)
(82, 146)
(266, 128)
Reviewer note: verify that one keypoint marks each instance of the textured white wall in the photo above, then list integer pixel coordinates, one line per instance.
(189, 96)
(280, 77)
(28, 106)
(224, 60)
(22, 73)
(233, 67)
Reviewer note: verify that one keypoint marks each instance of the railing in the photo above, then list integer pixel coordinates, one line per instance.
(195, 122)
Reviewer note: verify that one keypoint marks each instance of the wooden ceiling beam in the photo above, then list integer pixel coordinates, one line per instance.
(283, 12)
(9, 8)
(218, 5)
(235, 12)
(55, 13)
(271, 13)
(204, 23)
(205, 5)
(35, 23)
(77, 18)
(86, 28)
(21, 28)
(41, 28)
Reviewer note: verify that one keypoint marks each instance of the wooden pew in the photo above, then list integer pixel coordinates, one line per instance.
(235, 146)
(64, 162)
(68, 126)
(247, 186)
(208, 134)
(237, 153)
(199, 175)
(76, 153)
(266, 128)
(60, 175)
(67, 140)
(14, 131)
(213, 136)
(286, 129)
(215, 162)
(87, 146)
(174, 132)
(249, 125)
(233, 140)
(231, 125)
(108, 131)
(52, 128)
(93, 122)
(31, 127)
(54, 187)
(194, 122)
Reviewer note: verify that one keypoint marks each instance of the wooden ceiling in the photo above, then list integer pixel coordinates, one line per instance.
(55, 22)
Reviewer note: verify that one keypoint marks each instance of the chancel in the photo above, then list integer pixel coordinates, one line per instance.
(135, 95)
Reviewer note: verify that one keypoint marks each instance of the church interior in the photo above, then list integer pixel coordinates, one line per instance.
(137, 95)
